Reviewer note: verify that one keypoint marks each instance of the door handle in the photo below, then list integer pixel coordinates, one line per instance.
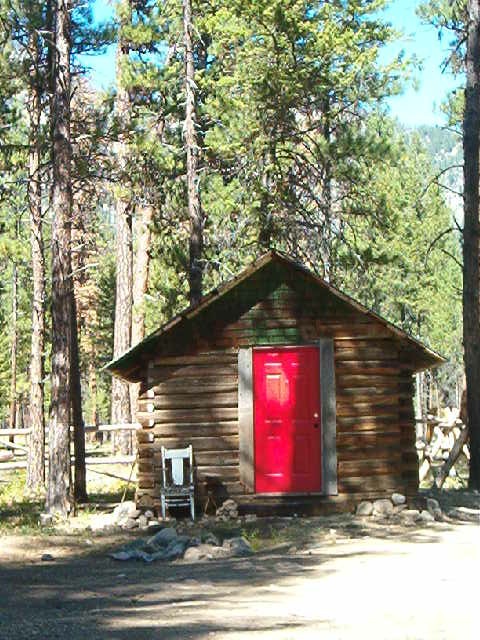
(316, 425)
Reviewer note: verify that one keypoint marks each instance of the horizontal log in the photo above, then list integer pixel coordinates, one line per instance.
(381, 423)
(204, 459)
(191, 401)
(197, 429)
(373, 408)
(224, 443)
(366, 394)
(145, 451)
(374, 483)
(388, 352)
(213, 358)
(367, 439)
(378, 452)
(231, 488)
(144, 436)
(208, 414)
(161, 373)
(375, 367)
(360, 468)
(353, 380)
(146, 481)
(145, 466)
(225, 473)
(194, 386)
(217, 458)
(370, 341)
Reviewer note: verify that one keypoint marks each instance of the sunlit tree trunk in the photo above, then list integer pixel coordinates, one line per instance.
(80, 473)
(121, 410)
(140, 285)
(195, 270)
(13, 353)
(36, 449)
(471, 238)
(59, 480)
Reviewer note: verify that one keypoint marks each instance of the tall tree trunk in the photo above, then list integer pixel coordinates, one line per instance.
(13, 353)
(36, 449)
(195, 270)
(59, 477)
(80, 475)
(140, 285)
(471, 238)
(79, 260)
(121, 411)
(92, 390)
(326, 239)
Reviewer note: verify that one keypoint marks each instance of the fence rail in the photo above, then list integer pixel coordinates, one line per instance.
(440, 443)
(14, 457)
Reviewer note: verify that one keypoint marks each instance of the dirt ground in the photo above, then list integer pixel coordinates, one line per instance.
(337, 578)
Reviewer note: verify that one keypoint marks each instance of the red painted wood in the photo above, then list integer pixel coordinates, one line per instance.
(287, 420)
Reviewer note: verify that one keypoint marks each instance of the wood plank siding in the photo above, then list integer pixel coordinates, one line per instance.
(190, 393)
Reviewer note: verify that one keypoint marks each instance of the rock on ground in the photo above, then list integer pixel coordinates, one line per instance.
(164, 536)
(383, 507)
(425, 516)
(365, 508)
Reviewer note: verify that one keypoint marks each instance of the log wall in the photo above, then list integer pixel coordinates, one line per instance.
(192, 398)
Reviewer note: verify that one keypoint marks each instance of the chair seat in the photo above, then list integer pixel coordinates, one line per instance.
(176, 490)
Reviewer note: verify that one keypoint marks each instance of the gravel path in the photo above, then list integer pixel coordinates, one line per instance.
(420, 584)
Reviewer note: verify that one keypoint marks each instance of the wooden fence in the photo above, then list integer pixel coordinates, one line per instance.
(13, 455)
(440, 445)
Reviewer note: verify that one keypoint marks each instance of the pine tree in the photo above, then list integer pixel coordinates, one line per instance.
(36, 452)
(121, 410)
(59, 476)
(471, 237)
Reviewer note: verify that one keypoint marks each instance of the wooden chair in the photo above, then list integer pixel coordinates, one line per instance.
(177, 487)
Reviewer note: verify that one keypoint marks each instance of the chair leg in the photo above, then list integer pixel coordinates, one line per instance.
(192, 507)
(163, 507)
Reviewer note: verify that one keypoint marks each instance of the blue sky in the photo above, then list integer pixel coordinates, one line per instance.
(417, 105)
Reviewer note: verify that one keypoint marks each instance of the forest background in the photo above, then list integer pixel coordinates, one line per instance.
(292, 147)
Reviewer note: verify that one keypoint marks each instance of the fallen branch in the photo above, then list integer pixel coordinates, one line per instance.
(452, 458)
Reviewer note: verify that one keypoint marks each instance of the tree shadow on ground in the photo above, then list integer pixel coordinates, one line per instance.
(93, 597)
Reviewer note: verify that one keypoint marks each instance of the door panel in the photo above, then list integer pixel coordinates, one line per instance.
(286, 414)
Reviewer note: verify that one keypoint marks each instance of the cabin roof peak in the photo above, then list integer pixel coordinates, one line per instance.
(130, 364)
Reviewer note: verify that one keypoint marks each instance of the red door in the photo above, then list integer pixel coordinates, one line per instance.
(287, 420)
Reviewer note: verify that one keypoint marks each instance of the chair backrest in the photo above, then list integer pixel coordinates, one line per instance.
(177, 457)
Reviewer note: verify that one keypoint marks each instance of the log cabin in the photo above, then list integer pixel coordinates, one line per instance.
(295, 397)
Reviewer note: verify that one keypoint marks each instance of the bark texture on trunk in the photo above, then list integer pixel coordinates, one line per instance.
(195, 267)
(140, 286)
(13, 354)
(36, 450)
(121, 411)
(80, 474)
(59, 479)
(471, 248)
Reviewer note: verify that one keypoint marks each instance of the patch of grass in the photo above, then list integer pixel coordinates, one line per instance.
(19, 513)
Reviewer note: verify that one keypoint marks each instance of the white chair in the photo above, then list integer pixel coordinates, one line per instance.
(177, 487)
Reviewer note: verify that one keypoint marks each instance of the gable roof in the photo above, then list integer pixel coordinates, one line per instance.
(130, 365)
